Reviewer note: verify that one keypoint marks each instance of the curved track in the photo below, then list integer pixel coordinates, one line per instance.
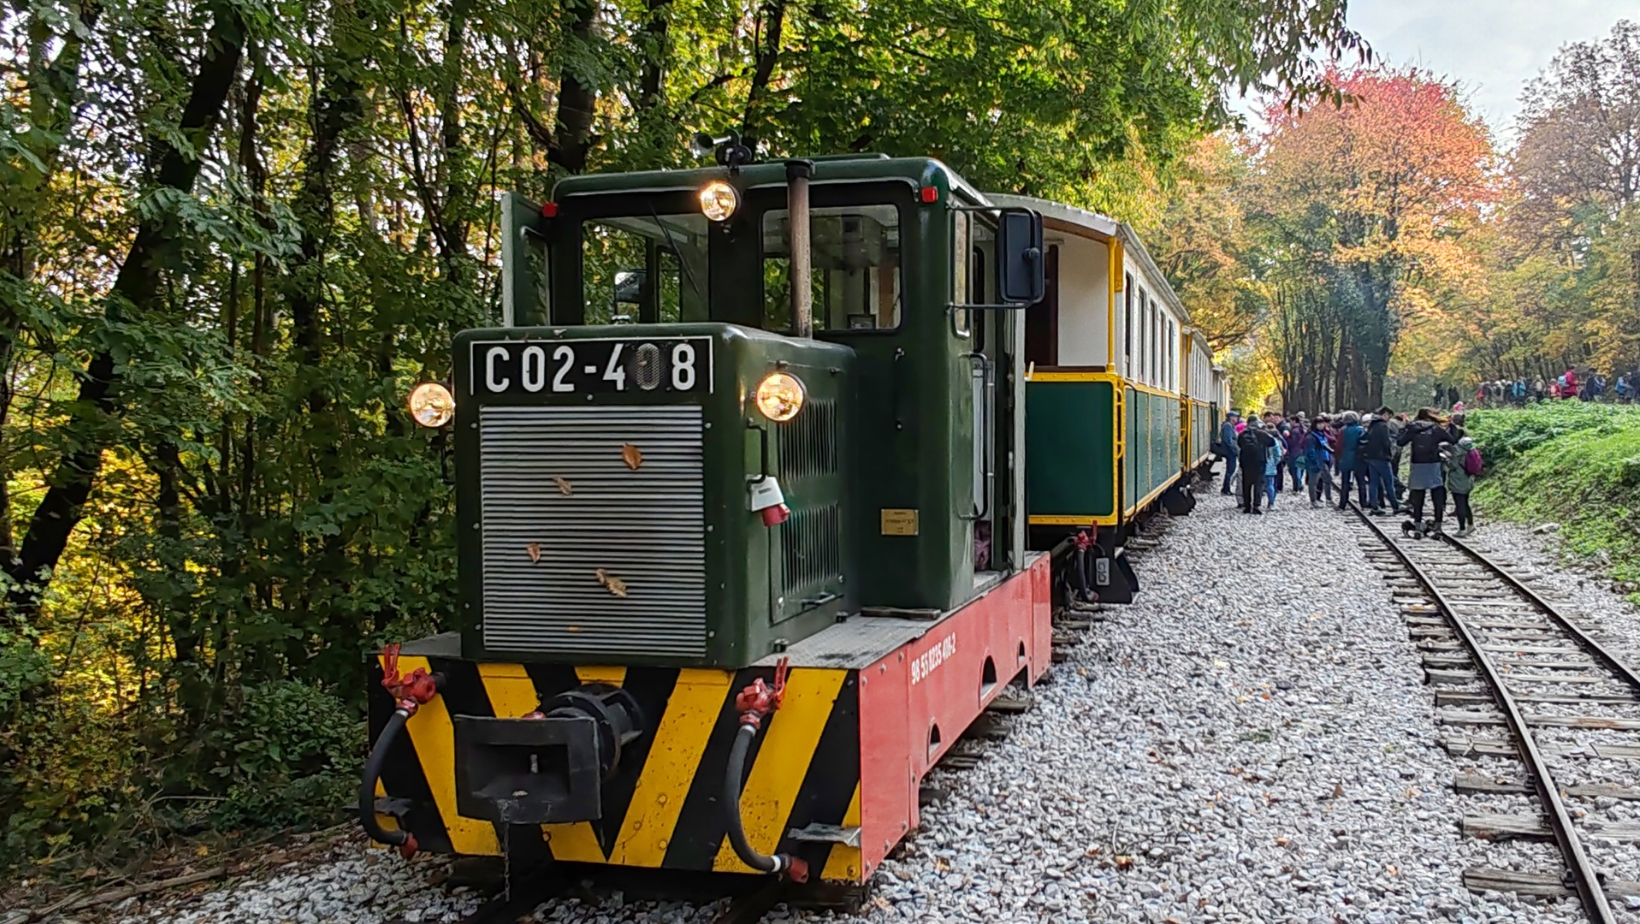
(1547, 680)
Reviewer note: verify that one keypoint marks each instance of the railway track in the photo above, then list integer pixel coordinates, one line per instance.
(1522, 688)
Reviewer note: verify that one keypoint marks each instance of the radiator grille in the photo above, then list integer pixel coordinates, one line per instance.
(812, 546)
(811, 541)
(645, 528)
(808, 445)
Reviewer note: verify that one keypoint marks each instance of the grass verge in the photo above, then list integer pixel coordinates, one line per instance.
(1569, 463)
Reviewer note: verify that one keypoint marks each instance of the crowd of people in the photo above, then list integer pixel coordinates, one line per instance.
(1366, 452)
(1587, 385)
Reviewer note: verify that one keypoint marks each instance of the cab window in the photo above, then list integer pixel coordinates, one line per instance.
(854, 279)
(639, 268)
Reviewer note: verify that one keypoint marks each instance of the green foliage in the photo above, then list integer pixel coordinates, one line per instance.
(1572, 463)
(1508, 432)
(234, 235)
(289, 729)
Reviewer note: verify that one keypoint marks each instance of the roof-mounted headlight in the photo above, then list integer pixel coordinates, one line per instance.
(718, 200)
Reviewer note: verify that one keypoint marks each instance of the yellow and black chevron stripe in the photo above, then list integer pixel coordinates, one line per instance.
(662, 805)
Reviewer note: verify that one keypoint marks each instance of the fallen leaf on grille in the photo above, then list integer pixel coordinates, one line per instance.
(563, 486)
(633, 457)
(534, 549)
(616, 585)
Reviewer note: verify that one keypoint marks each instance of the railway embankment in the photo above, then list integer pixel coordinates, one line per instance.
(1570, 472)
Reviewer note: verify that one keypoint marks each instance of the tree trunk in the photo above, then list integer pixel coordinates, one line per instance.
(135, 289)
(772, 17)
(572, 131)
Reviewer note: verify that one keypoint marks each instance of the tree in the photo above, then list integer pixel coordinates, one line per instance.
(1578, 166)
(1202, 243)
(1359, 209)
(234, 234)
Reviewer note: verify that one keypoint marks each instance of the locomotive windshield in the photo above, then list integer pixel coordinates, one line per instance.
(672, 256)
(855, 273)
(626, 261)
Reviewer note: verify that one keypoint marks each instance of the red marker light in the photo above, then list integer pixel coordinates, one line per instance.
(930, 194)
(549, 210)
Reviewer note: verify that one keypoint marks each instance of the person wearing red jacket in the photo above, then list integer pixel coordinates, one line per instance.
(1569, 390)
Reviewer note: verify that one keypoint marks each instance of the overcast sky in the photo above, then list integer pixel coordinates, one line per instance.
(1492, 47)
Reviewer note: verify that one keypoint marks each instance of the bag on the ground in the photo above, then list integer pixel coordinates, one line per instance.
(1472, 462)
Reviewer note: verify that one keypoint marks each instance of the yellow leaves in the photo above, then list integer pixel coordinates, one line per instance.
(534, 550)
(563, 486)
(631, 456)
(610, 582)
(1123, 861)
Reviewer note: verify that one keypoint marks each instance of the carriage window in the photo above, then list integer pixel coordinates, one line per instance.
(1127, 324)
(1170, 355)
(631, 262)
(1156, 344)
(854, 272)
(1144, 333)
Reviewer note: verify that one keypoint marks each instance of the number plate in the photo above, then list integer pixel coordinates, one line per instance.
(584, 367)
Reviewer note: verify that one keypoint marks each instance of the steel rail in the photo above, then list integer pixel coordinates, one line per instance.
(1582, 638)
(1585, 877)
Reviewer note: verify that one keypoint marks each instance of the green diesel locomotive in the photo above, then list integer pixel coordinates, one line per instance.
(746, 540)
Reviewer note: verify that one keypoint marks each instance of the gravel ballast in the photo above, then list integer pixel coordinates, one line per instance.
(1252, 741)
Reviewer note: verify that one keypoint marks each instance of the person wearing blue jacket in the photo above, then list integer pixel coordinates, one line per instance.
(1352, 469)
(1227, 438)
(1318, 460)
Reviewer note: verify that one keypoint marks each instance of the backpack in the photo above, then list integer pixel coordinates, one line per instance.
(1472, 462)
(1247, 443)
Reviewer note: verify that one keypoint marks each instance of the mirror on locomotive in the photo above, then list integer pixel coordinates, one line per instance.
(1021, 276)
(629, 287)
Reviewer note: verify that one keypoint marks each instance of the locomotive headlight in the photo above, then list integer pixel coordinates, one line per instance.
(718, 200)
(431, 404)
(780, 396)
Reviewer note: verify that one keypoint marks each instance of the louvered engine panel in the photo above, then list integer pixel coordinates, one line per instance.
(645, 528)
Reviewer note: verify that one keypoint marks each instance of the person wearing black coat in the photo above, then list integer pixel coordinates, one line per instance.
(1424, 437)
(1253, 446)
(1376, 451)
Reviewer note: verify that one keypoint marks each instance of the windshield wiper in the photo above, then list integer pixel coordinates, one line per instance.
(683, 260)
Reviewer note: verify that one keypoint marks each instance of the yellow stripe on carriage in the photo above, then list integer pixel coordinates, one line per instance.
(1054, 519)
(434, 738)
(789, 740)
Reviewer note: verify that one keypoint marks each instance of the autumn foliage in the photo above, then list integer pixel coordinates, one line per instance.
(1362, 209)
